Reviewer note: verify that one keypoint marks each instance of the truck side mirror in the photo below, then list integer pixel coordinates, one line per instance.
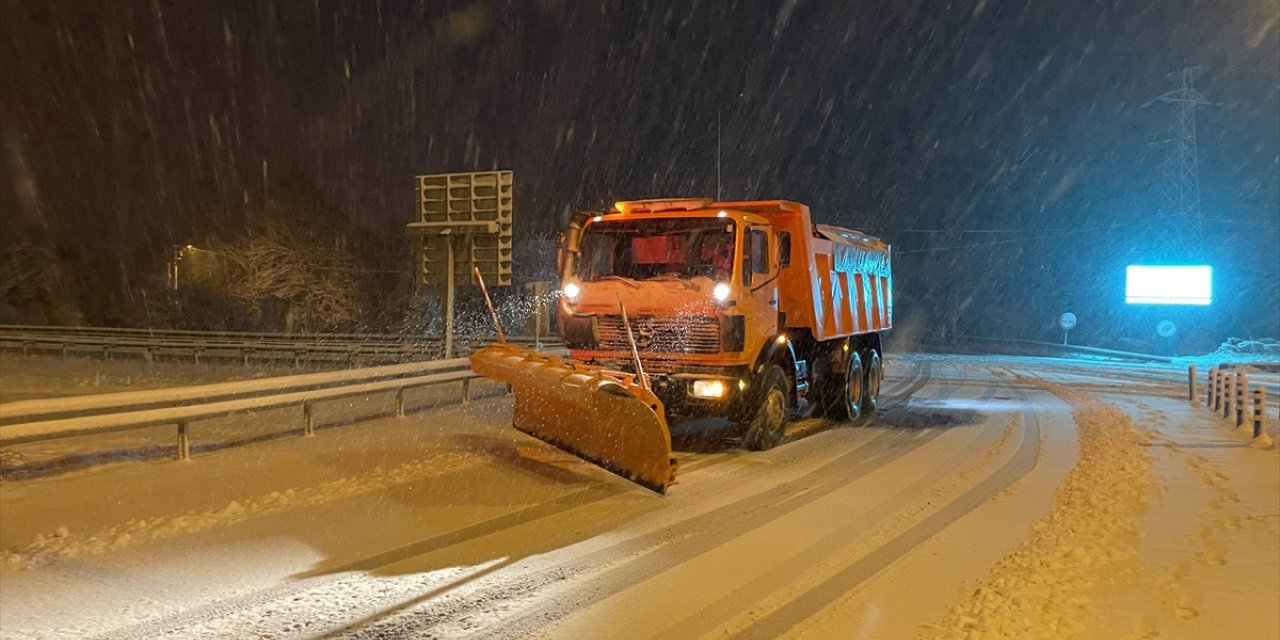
(784, 249)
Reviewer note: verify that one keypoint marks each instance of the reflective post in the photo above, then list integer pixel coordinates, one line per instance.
(1259, 411)
(1242, 392)
(1217, 390)
(1228, 381)
(1191, 384)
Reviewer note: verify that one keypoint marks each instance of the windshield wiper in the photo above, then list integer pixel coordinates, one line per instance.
(625, 279)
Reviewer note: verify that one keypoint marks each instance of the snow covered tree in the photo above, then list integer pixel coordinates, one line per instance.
(310, 280)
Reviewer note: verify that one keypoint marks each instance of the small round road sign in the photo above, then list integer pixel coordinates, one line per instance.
(1067, 321)
(1166, 328)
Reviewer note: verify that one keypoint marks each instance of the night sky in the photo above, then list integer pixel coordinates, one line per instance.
(1001, 147)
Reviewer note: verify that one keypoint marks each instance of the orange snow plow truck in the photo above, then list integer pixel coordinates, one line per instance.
(688, 308)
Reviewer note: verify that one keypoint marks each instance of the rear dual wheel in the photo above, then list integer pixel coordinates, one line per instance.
(854, 392)
(875, 373)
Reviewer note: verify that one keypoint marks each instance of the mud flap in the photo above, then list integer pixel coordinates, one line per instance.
(600, 415)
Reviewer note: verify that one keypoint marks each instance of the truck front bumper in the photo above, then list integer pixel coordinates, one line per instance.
(695, 395)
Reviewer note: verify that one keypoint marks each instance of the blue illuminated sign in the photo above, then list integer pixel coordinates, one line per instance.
(1169, 284)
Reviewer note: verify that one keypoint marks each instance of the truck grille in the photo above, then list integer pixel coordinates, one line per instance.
(696, 334)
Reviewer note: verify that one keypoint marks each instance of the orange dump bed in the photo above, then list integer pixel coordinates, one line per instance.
(839, 283)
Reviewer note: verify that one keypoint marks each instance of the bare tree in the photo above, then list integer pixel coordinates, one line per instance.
(32, 280)
(314, 278)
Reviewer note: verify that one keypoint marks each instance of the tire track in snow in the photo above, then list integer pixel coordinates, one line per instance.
(278, 597)
(634, 560)
(1023, 460)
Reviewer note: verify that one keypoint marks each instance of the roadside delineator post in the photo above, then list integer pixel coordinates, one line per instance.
(1191, 384)
(1242, 397)
(1259, 412)
(1217, 391)
(1228, 381)
(1208, 387)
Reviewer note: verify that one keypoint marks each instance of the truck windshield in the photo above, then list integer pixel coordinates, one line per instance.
(644, 249)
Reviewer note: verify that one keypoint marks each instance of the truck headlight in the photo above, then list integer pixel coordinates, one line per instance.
(720, 292)
(708, 388)
(572, 290)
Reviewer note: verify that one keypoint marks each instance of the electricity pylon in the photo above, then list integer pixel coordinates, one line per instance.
(1181, 194)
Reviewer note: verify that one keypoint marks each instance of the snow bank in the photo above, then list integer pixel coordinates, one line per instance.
(1238, 350)
(1090, 537)
(62, 543)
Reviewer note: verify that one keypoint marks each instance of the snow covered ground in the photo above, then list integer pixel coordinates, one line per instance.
(992, 497)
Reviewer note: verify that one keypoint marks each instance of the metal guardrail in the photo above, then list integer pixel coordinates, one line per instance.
(69, 407)
(246, 347)
(140, 412)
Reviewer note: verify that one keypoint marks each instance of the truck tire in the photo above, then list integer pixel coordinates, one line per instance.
(871, 388)
(854, 389)
(768, 420)
(844, 395)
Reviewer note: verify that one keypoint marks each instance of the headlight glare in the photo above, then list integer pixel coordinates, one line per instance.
(708, 388)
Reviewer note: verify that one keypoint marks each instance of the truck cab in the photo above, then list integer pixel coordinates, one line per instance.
(714, 300)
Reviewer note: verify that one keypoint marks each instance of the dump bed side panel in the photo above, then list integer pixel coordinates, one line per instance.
(839, 283)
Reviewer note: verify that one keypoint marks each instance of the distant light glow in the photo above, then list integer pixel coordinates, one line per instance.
(1169, 284)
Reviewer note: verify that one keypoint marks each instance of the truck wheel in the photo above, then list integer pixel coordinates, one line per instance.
(854, 396)
(767, 426)
(871, 393)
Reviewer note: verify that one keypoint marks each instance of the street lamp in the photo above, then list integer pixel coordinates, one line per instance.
(178, 252)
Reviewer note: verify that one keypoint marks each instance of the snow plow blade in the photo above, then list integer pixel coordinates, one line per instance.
(601, 415)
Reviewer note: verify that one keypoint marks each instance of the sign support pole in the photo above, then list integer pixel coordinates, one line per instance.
(448, 297)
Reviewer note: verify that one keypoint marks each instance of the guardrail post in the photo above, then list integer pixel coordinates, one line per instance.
(1259, 411)
(400, 402)
(245, 353)
(25, 346)
(1242, 393)
(308, 422)
(466, 391)
(1191, 384)
(184, 442)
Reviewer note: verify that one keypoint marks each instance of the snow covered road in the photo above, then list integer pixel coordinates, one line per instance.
(1013, 497)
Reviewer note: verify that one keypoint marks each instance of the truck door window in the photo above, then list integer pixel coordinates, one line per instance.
(759, 251)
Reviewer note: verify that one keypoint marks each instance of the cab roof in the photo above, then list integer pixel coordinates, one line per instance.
(661, 205)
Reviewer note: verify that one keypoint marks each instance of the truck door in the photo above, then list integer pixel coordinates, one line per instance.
(760, 279)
